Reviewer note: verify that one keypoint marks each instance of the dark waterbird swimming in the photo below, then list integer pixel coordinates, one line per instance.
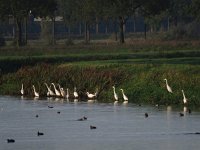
(82, 119)
(39, 133)
(92, 127)
(50, 106)
(181, 114)
(10, 141)
(189, 111)
(146, 115)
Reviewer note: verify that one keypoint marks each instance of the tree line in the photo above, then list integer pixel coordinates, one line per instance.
(91, 12)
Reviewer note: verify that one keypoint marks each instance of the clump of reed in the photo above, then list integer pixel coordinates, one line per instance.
(148, 86)
(85, 79)
(142, 83)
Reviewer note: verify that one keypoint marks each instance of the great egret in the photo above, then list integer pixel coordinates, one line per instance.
(169, 89)
(124, 97)
(22, 90)
(67, 95)
(115, 95)
(62, 92)
(90, 95)
(75, 93)
(56, 91)
(36, 94)
(50, 92)
(184, 98)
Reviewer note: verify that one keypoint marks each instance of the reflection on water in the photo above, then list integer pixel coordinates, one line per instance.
(118, 126)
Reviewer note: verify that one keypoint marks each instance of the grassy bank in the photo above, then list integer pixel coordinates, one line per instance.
(138, 67)
(11, 60)
(143, 83)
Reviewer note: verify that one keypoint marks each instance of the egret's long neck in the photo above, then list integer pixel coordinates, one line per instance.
(34, 89)
(114, 90)
(183, 94)
(22, 86)
(54, 86)
(123, 92)
(166, 82)
(47, 87)
(59, 87)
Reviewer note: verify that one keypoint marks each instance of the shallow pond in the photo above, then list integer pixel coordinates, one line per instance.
(118, 126)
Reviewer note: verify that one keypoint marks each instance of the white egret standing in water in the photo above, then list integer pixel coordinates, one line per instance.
(115, 95)
(62, 92)
(169, 89)
(22, 90)
(90, 95)
(50, 92)
(184, 98)
(124, 97)
(56, 91)
(67, 95)
(36, 94)
(75, 93)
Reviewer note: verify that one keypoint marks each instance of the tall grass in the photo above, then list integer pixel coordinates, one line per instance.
(142, 83)
(84, 78)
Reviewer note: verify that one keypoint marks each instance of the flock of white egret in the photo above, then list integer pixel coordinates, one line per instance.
(60, 92)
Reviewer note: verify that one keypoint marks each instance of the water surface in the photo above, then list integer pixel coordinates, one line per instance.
(118, 126)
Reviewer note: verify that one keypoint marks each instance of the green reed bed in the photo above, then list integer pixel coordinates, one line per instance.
(142, 83)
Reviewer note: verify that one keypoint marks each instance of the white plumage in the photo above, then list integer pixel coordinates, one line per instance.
(62, 91)
(56, 91)
(49, 91)
(36, 94)
(124, 97)
(22, 90)
(169, 89)
(115, 95)
(75, 93)
(67, 95)
(90, 95)
(184, 98)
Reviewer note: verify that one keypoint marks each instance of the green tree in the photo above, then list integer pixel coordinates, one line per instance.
(195, 9)
(150, 8)
(20, 9)
(86, 13)
(122, 10)
(178, 10)
(67, 8)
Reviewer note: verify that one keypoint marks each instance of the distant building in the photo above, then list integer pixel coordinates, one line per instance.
(57, 19)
